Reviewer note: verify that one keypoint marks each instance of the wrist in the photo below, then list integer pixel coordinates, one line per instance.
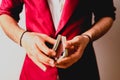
(87, 36)
(21, 37)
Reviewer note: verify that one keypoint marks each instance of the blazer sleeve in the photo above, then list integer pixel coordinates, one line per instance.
(104, 8)
(11, 8)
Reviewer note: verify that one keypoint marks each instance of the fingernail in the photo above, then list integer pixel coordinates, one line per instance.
(54, 53)
(52, 63)
(44, 69)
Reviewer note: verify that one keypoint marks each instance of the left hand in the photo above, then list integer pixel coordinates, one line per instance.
(75, 48)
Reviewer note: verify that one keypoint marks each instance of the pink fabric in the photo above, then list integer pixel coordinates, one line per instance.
(31, 71)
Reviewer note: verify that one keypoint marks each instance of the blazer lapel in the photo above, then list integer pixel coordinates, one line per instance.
(68, 9)
(46, 17)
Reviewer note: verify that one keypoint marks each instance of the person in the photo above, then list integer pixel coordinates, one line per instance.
(45, 20)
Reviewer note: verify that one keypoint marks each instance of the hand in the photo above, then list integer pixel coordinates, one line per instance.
(75, 48)
(38, 52)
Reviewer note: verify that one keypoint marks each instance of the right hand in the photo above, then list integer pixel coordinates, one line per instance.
(38, 52)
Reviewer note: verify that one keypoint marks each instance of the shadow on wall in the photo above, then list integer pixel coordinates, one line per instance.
(108, 50)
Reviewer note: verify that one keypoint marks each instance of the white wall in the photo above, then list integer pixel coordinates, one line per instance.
(107, 51)
(11, 56)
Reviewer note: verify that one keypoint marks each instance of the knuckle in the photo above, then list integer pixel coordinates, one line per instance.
(78, 38)
(46, 61)
(48, 52)
(43, 35)
(36, 37)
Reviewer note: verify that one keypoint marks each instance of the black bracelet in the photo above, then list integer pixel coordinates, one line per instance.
(22, 37)
(90, 39)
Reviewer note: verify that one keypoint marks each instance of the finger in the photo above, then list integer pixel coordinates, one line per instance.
(64, 63)
(61, 66)
(64, 60)
(40, 65)
(44, 59)
(41, 46)
(48, 39)
(72, 42)
(69, 45)
(68, 61)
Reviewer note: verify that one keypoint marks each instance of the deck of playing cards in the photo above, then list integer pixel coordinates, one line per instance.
(59, 47)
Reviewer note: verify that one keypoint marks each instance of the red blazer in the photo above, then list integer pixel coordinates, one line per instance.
(44, 20)
(75, 19)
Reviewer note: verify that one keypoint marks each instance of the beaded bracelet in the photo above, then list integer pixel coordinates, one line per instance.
(22, 37)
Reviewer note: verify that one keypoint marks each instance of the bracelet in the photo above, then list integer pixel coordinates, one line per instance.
(22, 37)
(90, 39)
